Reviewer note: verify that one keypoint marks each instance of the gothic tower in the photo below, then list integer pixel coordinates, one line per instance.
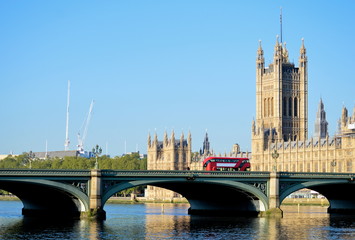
(321, 124)
(169, 154)
(206, 146)
(281, 97)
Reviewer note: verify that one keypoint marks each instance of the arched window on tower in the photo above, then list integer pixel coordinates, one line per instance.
(268, 107)
(290, 107)
(295, 106)
(272, 107)
(265, 107)
(284, 107)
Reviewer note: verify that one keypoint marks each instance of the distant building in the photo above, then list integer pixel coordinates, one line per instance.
(3, 156)
(56, 154)
(141, 155)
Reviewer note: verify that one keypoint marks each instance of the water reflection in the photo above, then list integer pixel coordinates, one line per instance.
(154, 221)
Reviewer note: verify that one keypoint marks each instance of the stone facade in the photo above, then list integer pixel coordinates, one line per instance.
(280, 131)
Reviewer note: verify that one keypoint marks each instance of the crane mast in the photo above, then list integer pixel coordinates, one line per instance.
(67, 141)
(81, 139)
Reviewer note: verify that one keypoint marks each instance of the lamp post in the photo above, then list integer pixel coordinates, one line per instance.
(30, 156)
(97, 152)
(275, 155)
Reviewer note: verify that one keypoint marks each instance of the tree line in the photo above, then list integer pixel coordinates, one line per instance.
(126, 162)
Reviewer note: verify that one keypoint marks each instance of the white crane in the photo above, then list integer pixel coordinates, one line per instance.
(67, 141)
(81, 139)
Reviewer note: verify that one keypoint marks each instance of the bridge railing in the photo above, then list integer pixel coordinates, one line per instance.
(316, 175)
(44, 172)
(182, 173)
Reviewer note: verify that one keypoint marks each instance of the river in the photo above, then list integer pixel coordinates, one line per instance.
(171, 221)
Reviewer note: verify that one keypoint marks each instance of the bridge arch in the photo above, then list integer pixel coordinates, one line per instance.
(337, 191)
(47, 198)
(227, 196)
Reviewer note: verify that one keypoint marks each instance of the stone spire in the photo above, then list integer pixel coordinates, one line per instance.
(321, 124)
(284, 54)
(277, 49)
(260, 61)
(206, 145)
(344, 116)
(182, 139)
(303, 57)
(165, 138)
(155, 139)
(189, 139)
(172, 138)
(149, 140)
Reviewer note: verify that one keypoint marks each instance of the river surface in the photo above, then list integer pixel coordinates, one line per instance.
(171, 221)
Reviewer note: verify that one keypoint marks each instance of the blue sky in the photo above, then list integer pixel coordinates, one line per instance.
(159, 65)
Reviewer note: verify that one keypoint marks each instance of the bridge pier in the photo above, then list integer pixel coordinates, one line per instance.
(96, 209)
(274, 197)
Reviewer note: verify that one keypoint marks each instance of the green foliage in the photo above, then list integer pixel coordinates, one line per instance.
(127, 162)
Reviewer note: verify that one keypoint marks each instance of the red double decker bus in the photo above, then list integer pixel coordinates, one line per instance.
(226, 164)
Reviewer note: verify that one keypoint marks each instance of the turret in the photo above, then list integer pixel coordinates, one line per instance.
(172, 139)
(155, 142)
(189, 139)
(344, 116)
(321, 124)
(260, 61)
(284, 54)
(278, 52)
(303, 57)
(165, 142)
(182, 140)
(149, 143)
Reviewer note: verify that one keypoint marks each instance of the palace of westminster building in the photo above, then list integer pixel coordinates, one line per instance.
(279, 132)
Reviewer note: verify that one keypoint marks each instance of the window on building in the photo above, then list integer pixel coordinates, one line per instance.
(348, 166)
(295, 106)
(290, 107)
(265, 107)
(272, 106)
(284, 106)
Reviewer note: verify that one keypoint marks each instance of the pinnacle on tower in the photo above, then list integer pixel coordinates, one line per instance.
(149, 140)
(321, 124)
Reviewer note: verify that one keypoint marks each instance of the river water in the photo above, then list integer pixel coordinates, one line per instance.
(171, 221)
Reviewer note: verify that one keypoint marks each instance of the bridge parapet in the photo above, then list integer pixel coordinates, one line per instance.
(312, 175)
(181, 173)
(44, 172)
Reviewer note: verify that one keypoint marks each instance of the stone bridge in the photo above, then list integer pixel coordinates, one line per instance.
(83, 193)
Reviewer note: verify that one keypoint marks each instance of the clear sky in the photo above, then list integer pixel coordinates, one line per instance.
(160, 65)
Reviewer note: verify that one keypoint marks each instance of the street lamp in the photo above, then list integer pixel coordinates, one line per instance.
(30, 156)
(275, 155)
(97, 152)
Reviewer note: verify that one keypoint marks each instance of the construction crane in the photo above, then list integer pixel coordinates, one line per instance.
(67, 141)
(84, 127)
